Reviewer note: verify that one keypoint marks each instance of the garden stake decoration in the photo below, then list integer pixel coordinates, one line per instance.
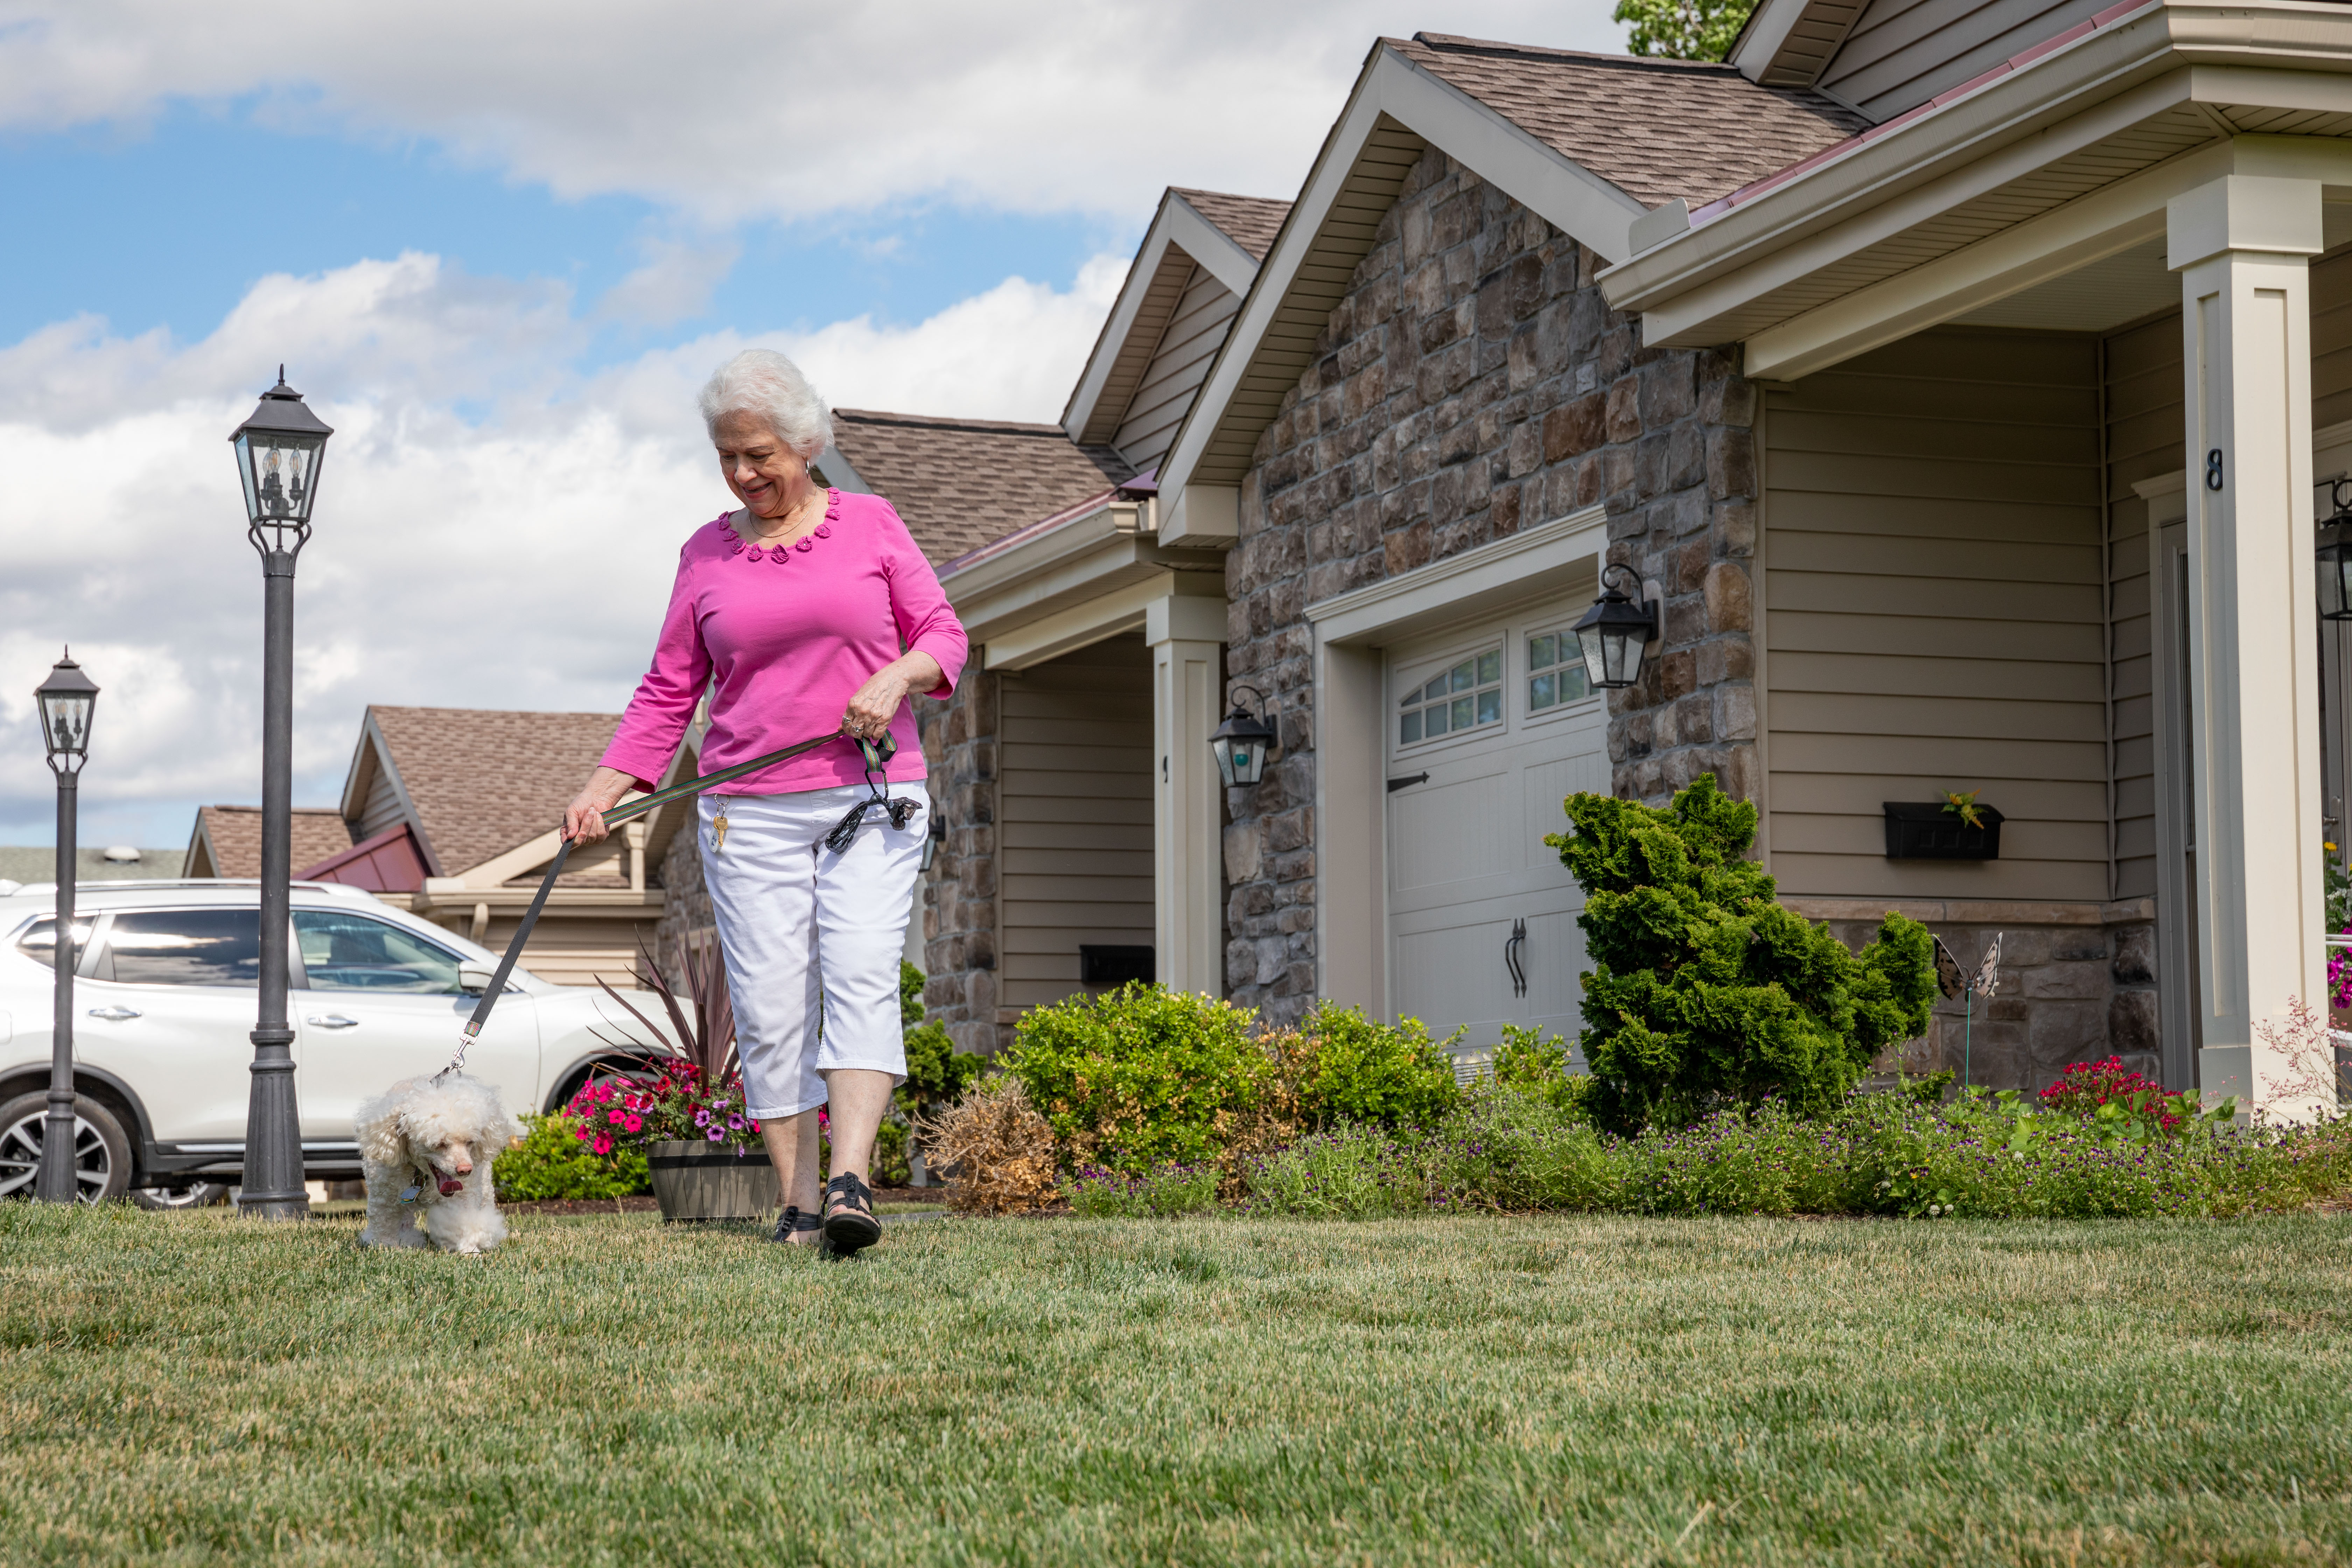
(877, 754)
(1954, 981)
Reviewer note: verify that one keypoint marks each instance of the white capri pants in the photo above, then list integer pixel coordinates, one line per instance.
(811, 939)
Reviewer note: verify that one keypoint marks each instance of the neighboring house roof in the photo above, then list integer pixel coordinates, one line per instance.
(227, 839)
(1250, 222)
(1657, 130)
(959, 483)
(481, 781)
(38, 863)
(388, 863)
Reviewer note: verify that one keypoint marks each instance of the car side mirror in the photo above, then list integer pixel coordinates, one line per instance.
(474, 979)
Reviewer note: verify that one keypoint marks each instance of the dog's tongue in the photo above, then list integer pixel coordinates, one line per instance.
(451, 1186)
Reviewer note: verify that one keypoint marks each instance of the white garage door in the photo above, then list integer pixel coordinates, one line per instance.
(1489, 728)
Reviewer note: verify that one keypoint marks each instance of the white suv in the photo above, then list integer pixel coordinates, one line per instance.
(165, 990)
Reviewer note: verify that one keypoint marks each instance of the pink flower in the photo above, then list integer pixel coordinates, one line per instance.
(613, 1117)
(603, 1145)
(635, 1124)
(755, 1127)
(582, 1133)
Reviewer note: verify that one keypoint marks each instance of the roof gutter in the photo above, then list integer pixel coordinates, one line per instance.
(2132, 45)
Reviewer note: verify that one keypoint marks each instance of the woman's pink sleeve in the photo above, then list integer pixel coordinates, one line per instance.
(925, 620)
(658, 715)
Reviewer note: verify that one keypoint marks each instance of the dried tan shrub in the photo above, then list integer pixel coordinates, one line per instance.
(1277, 1118)
(1001, 1149)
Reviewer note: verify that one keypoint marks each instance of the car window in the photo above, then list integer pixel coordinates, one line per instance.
(40, 942)
(353, 953)
(185, 947)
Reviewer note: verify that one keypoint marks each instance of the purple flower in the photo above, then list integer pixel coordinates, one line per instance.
(717, 1136)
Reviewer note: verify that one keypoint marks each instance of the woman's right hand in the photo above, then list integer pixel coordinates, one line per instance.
(584, 819)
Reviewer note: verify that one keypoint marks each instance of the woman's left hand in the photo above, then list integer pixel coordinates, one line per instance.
(879, 701)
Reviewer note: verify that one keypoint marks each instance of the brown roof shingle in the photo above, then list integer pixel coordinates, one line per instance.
(1656, 128)
(235, 834)
(1250, 222)
(959, 483)
(484, 780)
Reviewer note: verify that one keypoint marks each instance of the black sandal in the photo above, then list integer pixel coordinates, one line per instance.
(852, 1224)
(792, 1223)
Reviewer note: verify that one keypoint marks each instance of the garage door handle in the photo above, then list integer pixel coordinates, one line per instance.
(1511, 946)
(114, 1015)
(1407, 782)
(332, 1021)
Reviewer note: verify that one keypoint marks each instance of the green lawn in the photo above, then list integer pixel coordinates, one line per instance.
(192, 1387)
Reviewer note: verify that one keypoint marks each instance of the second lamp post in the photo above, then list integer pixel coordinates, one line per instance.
(278, 452)
(66, 699)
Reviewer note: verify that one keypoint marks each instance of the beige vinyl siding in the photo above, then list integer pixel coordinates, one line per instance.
(1204, 313)
(2144, 440)
(1073, 815)
(1935, 613)
(382, 808)
(1901, 53)
(2331, 341)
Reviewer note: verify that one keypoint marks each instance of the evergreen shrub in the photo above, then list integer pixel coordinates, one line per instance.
(1704, 992)
(1140, 1077)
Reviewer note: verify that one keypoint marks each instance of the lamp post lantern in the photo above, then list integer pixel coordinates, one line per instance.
(66, 700)
(1614, 632)
(278, 453)
(1241, 741)
(2335, 564)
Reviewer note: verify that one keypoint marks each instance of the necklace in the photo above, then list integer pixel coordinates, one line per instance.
(792, 519)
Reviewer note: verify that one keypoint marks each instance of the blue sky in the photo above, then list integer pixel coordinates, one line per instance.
(498, 247)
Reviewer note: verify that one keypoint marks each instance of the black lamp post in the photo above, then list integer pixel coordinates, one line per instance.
(65, 699)
(278, 451)
(1241, 741)
(2334, 571)
(1614, 632)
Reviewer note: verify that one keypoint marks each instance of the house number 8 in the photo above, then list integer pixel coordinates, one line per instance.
(2213, 470)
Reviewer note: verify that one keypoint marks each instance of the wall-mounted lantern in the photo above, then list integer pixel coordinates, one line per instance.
(1614, 631)
(1241, 741)
(2335, 554)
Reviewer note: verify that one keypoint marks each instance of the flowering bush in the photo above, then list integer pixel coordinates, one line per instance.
(2123, 1102)
(674, 1103)
(1100, 1193)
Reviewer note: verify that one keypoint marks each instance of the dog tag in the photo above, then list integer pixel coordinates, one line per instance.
(410, 1195)
(719, 829)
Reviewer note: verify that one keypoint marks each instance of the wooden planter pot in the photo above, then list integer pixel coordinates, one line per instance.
(1924, 830)
(705, 1181)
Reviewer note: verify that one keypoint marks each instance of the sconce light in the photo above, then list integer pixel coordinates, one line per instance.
(1241, 741)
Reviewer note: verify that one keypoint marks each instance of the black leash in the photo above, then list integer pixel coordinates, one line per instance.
(877, 755)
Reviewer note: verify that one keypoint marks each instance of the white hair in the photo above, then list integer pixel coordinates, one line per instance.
(763, 381)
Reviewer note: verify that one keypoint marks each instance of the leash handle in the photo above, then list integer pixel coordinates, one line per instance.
(877, 754)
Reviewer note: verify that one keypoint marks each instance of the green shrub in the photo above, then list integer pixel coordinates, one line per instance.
(1351, 1172)
(1163, 1192)
(1536, 1064)
(910, 994)
(552, 1162)
(1140, 1077)
(1388, 1074)
(1704, 991)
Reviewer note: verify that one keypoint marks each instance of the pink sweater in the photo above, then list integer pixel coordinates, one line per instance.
(791, 635)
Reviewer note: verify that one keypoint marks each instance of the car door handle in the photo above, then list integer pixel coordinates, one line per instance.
(331, 1021)
(114, 1015)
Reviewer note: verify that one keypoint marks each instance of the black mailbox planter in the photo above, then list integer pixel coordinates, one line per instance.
(1924, 830)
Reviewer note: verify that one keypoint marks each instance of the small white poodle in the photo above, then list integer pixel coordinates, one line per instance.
(427, 1149)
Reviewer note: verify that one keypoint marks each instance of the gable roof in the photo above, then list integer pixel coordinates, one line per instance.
(1789, 43)
(1250, 222)
(1657, 130)
(226, 841)
(959, 483)
(481, 781)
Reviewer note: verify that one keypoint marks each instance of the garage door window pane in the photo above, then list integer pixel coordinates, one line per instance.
(1555, 671)
(1465, 696)
(186, 947)
(353, 953)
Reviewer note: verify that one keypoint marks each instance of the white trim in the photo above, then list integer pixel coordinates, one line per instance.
(835, 470)
(1581, 203)
(1535, 562)
(1123, 609)
(1178, 227)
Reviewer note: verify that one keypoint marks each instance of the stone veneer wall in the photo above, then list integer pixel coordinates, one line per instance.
(1473, 381)
(957, 903)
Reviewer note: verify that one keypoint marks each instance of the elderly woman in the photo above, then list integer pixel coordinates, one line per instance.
(804, 610)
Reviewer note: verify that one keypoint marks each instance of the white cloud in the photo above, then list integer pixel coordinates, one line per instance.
(674, 284)
(726, 112)
(517, 561)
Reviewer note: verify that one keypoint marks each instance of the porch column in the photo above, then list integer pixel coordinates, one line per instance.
(1187, 638)
(2241, 245)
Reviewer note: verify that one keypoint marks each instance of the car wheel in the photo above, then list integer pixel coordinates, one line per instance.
(102, 1148)
(187, 1194)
